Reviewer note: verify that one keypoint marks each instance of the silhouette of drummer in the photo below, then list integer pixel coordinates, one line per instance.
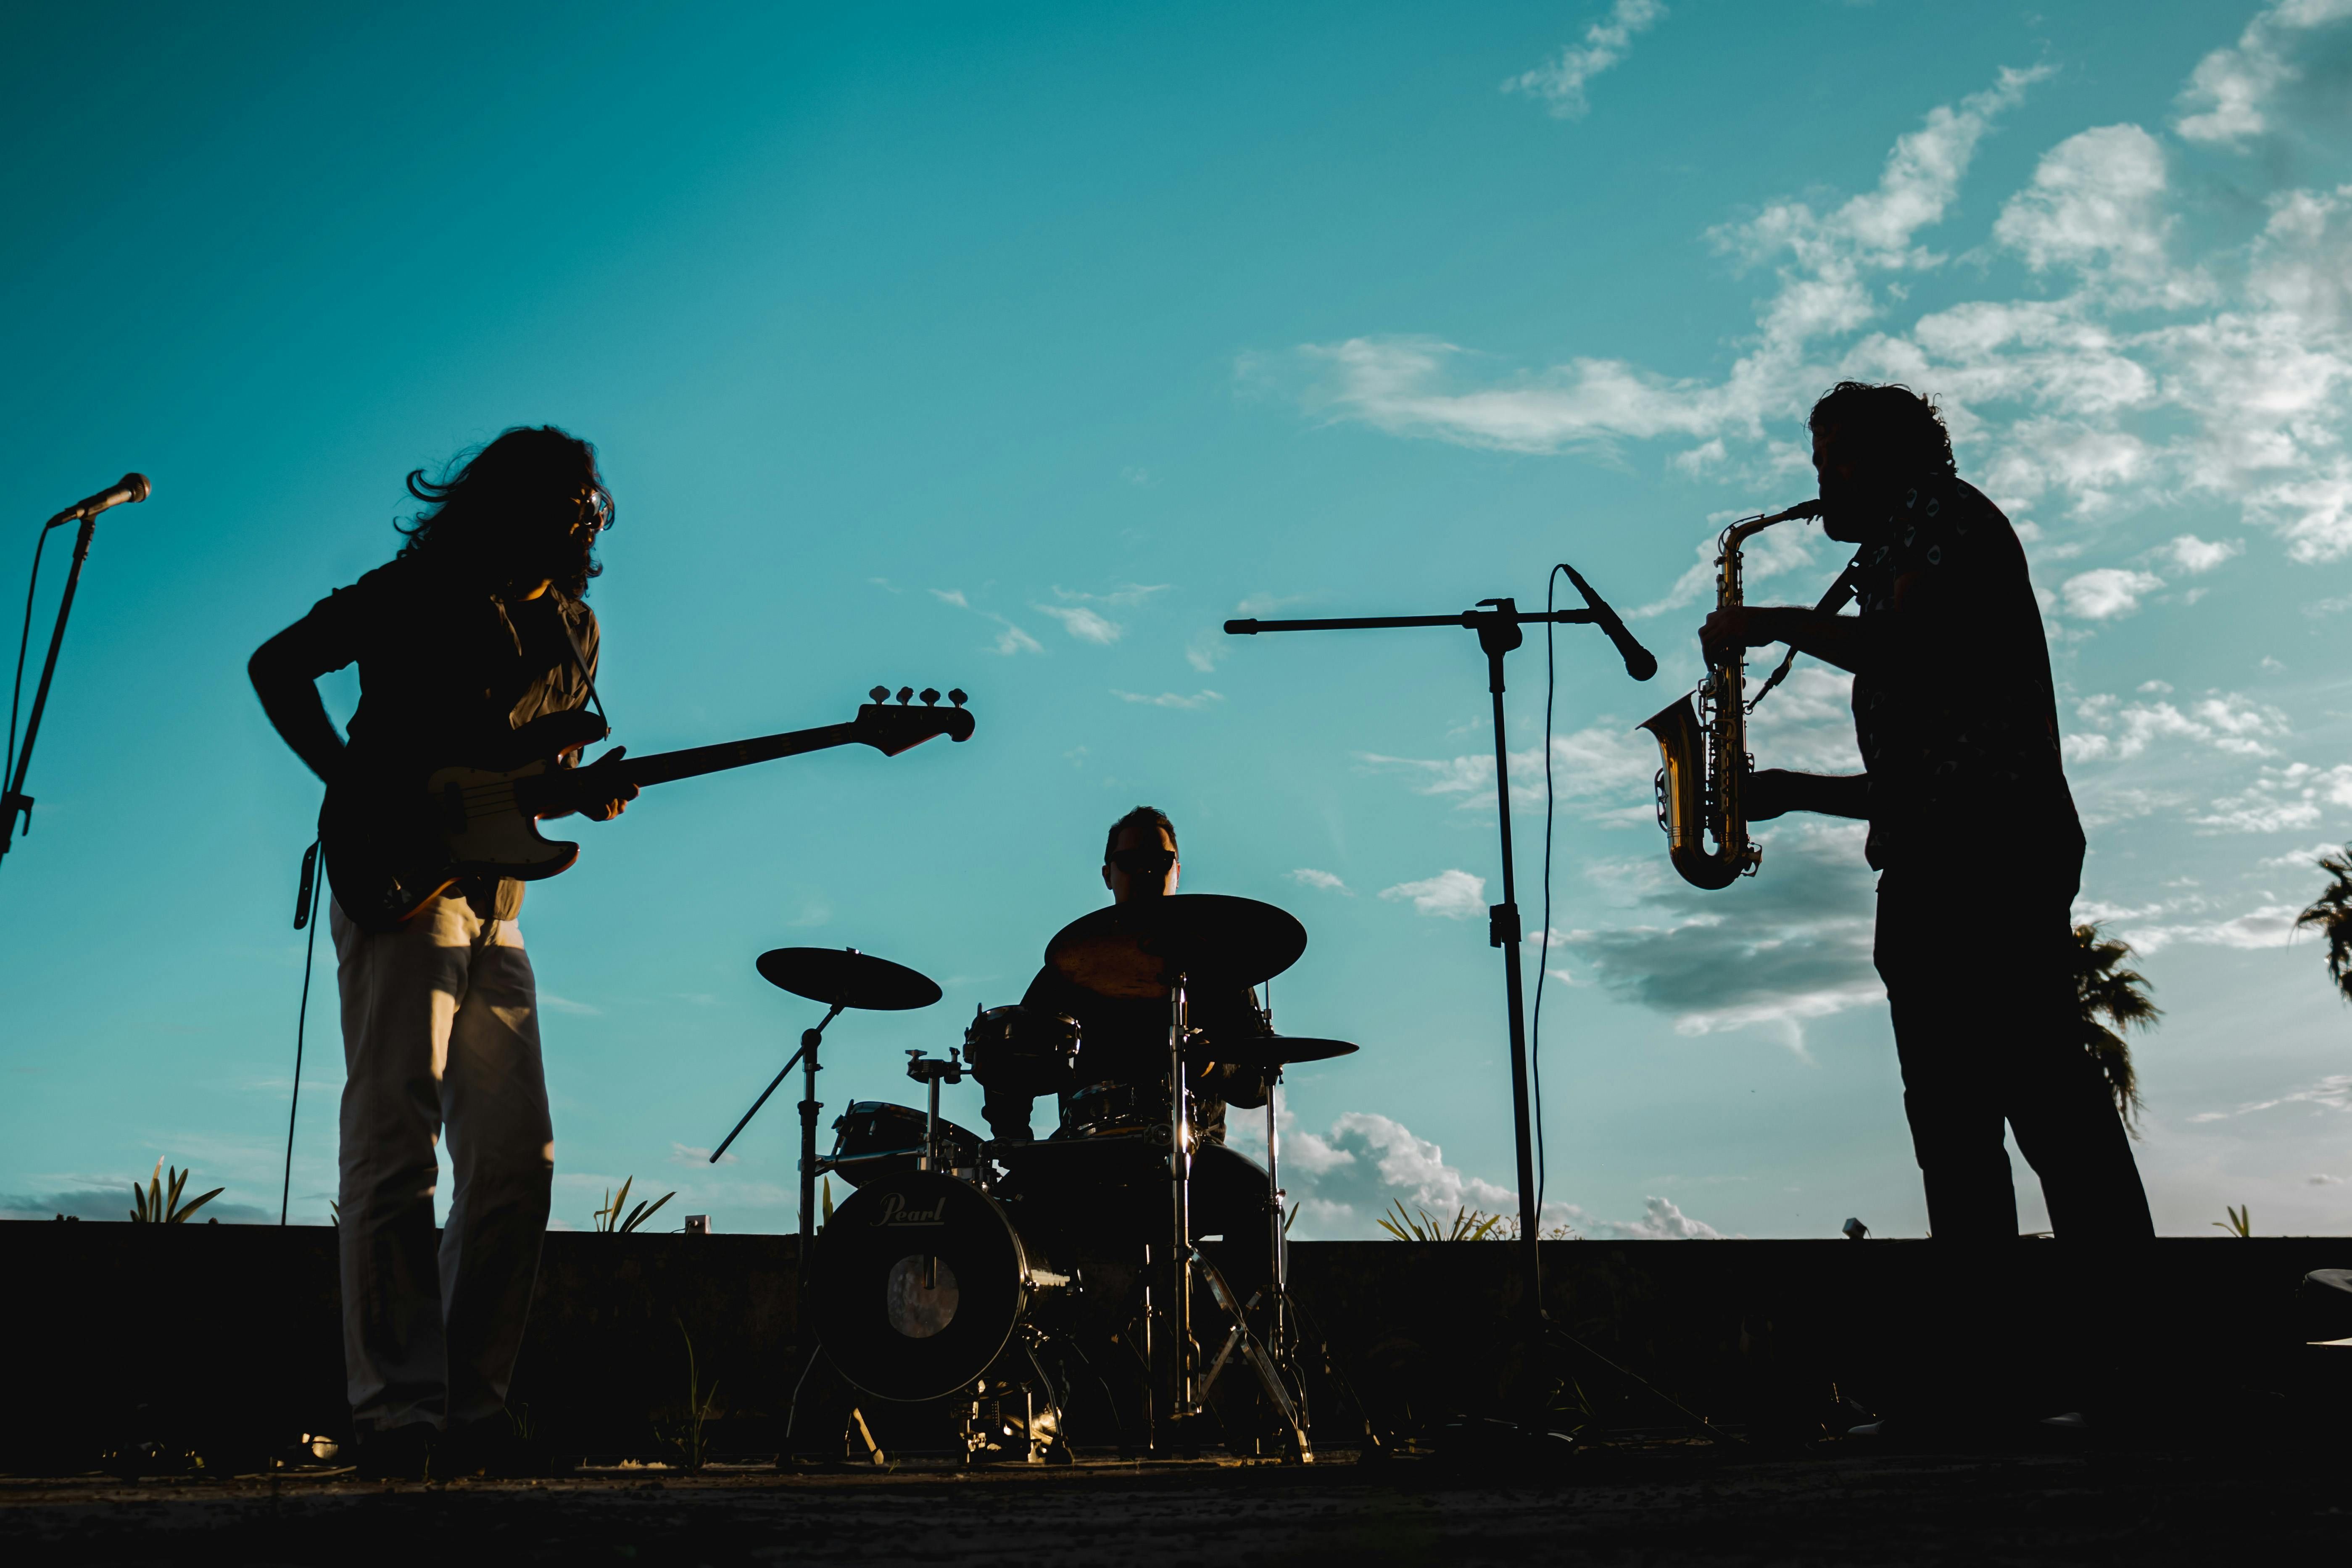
(1124, 1038)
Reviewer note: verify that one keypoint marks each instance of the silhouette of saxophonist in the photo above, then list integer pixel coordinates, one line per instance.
(1973, 830)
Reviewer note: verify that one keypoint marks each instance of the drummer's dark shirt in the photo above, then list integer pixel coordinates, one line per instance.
(1124, 1039)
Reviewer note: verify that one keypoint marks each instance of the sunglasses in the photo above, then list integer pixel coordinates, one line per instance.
(1143, 862)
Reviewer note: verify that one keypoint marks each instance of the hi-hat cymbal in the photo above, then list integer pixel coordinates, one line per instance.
(845, 977)
(1133, 949)
(1280, 1050)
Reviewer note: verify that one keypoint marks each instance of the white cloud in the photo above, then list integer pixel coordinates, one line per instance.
(1170, 699)
(1326, 881)
(1606, 43)
(1011, 639)
(2108, 591)
(1605, 763)
(1345, 1178)
(2283, 799)
(2231, 92)
(2149, 382)
(1454, 895)
(2189, 553)
(1082, 623)
(951, 597)
(565, 1005)
(1662, 1221)
(686, 1155)
(2096, 205)
(1125, 593)
(1208, 648)
(2227, 721)
(2272, 925)
(2334, 1093)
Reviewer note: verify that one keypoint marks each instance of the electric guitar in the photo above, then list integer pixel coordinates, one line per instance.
(393, 847)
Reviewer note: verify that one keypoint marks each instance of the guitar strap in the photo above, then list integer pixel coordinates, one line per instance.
(580, 656)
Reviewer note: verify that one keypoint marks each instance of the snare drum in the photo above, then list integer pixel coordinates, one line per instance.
(875, 1139)
(1022, 1050)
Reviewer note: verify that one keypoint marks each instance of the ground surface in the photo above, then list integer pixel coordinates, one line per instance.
(1683, 1505)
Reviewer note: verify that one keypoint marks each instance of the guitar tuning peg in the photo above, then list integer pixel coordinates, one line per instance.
(930, 696)
(880, 694)
(958, 698)
(905, 693)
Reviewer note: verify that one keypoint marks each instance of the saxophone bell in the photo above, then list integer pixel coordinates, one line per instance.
(1703, 742)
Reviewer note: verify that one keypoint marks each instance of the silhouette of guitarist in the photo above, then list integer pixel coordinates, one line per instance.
(474, 629)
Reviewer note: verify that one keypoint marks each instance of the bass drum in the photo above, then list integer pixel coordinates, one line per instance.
(918, 1282)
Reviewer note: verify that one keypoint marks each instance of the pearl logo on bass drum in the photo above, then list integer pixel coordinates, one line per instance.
(896, 1212)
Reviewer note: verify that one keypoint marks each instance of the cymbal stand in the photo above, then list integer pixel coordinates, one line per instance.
(1497, 623)
(806, 1059)
(1170, 1324)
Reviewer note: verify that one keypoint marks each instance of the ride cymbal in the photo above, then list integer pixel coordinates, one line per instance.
(845, 977)
(1133, 949)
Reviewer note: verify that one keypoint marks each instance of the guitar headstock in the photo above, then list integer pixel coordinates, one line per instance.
(891, 728)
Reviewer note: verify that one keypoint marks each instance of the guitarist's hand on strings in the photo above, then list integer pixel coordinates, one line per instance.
(602, 791)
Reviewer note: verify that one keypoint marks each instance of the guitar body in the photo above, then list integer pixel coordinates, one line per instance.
(394, 847)
(391, 852)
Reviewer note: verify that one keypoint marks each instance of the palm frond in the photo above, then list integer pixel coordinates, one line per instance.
(2330, 914)
(2110, 999)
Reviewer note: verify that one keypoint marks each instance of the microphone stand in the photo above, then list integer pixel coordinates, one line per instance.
(1497, 623)
(14, 804)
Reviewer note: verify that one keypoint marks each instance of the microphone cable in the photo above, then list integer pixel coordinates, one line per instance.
(306, 911)
(1535, 1039)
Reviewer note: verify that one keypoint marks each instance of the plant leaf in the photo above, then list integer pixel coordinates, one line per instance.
(181, 1217)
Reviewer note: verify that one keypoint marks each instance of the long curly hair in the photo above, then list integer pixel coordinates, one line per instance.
(1905, 429)
(528, 505)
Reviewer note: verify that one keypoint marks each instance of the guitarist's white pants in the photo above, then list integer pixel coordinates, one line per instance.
(440, 1030)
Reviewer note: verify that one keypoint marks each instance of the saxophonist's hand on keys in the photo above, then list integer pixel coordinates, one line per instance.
(1726, 632)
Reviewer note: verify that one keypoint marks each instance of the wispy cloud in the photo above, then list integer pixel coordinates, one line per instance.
(1324, 881)
(1126, 594)
(1453, 895)
(1606, 44)
(2333, 1094)
(2124, 378)
(1198, 700)
(2232, 95)
(1011, 639)
(565, 1005)
(951, 597)
(1083, 624)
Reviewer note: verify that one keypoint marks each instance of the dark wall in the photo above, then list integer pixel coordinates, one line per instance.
(226, 1338)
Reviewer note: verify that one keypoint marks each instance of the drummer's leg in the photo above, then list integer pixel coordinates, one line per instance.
(1007, 1113)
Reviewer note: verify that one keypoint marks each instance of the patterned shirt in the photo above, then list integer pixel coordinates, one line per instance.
(1955, 711)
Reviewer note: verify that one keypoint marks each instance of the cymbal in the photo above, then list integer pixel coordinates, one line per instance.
(1133, 948)
(845, 977)
(1280, 1050)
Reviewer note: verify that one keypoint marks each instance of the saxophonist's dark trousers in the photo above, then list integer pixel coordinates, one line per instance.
(1977, 960)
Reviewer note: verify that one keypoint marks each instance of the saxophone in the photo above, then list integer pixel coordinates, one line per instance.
(1702, 736)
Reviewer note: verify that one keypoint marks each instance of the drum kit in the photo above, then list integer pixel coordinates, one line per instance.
(996, 1276)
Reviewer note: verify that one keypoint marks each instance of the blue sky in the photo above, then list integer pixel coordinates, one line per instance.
(1015, 348)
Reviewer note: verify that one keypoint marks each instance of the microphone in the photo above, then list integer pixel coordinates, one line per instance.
(1640, 662)
(128, 488)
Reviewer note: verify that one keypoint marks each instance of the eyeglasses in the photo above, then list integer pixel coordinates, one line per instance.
(1144, 862)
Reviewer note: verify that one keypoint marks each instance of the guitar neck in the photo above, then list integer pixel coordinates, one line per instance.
(663, 767)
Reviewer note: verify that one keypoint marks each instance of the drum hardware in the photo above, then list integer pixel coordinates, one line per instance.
(1269, 1376)
(1024, 1050)
(1497, 623)
(842, 978)
(874, 1138)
